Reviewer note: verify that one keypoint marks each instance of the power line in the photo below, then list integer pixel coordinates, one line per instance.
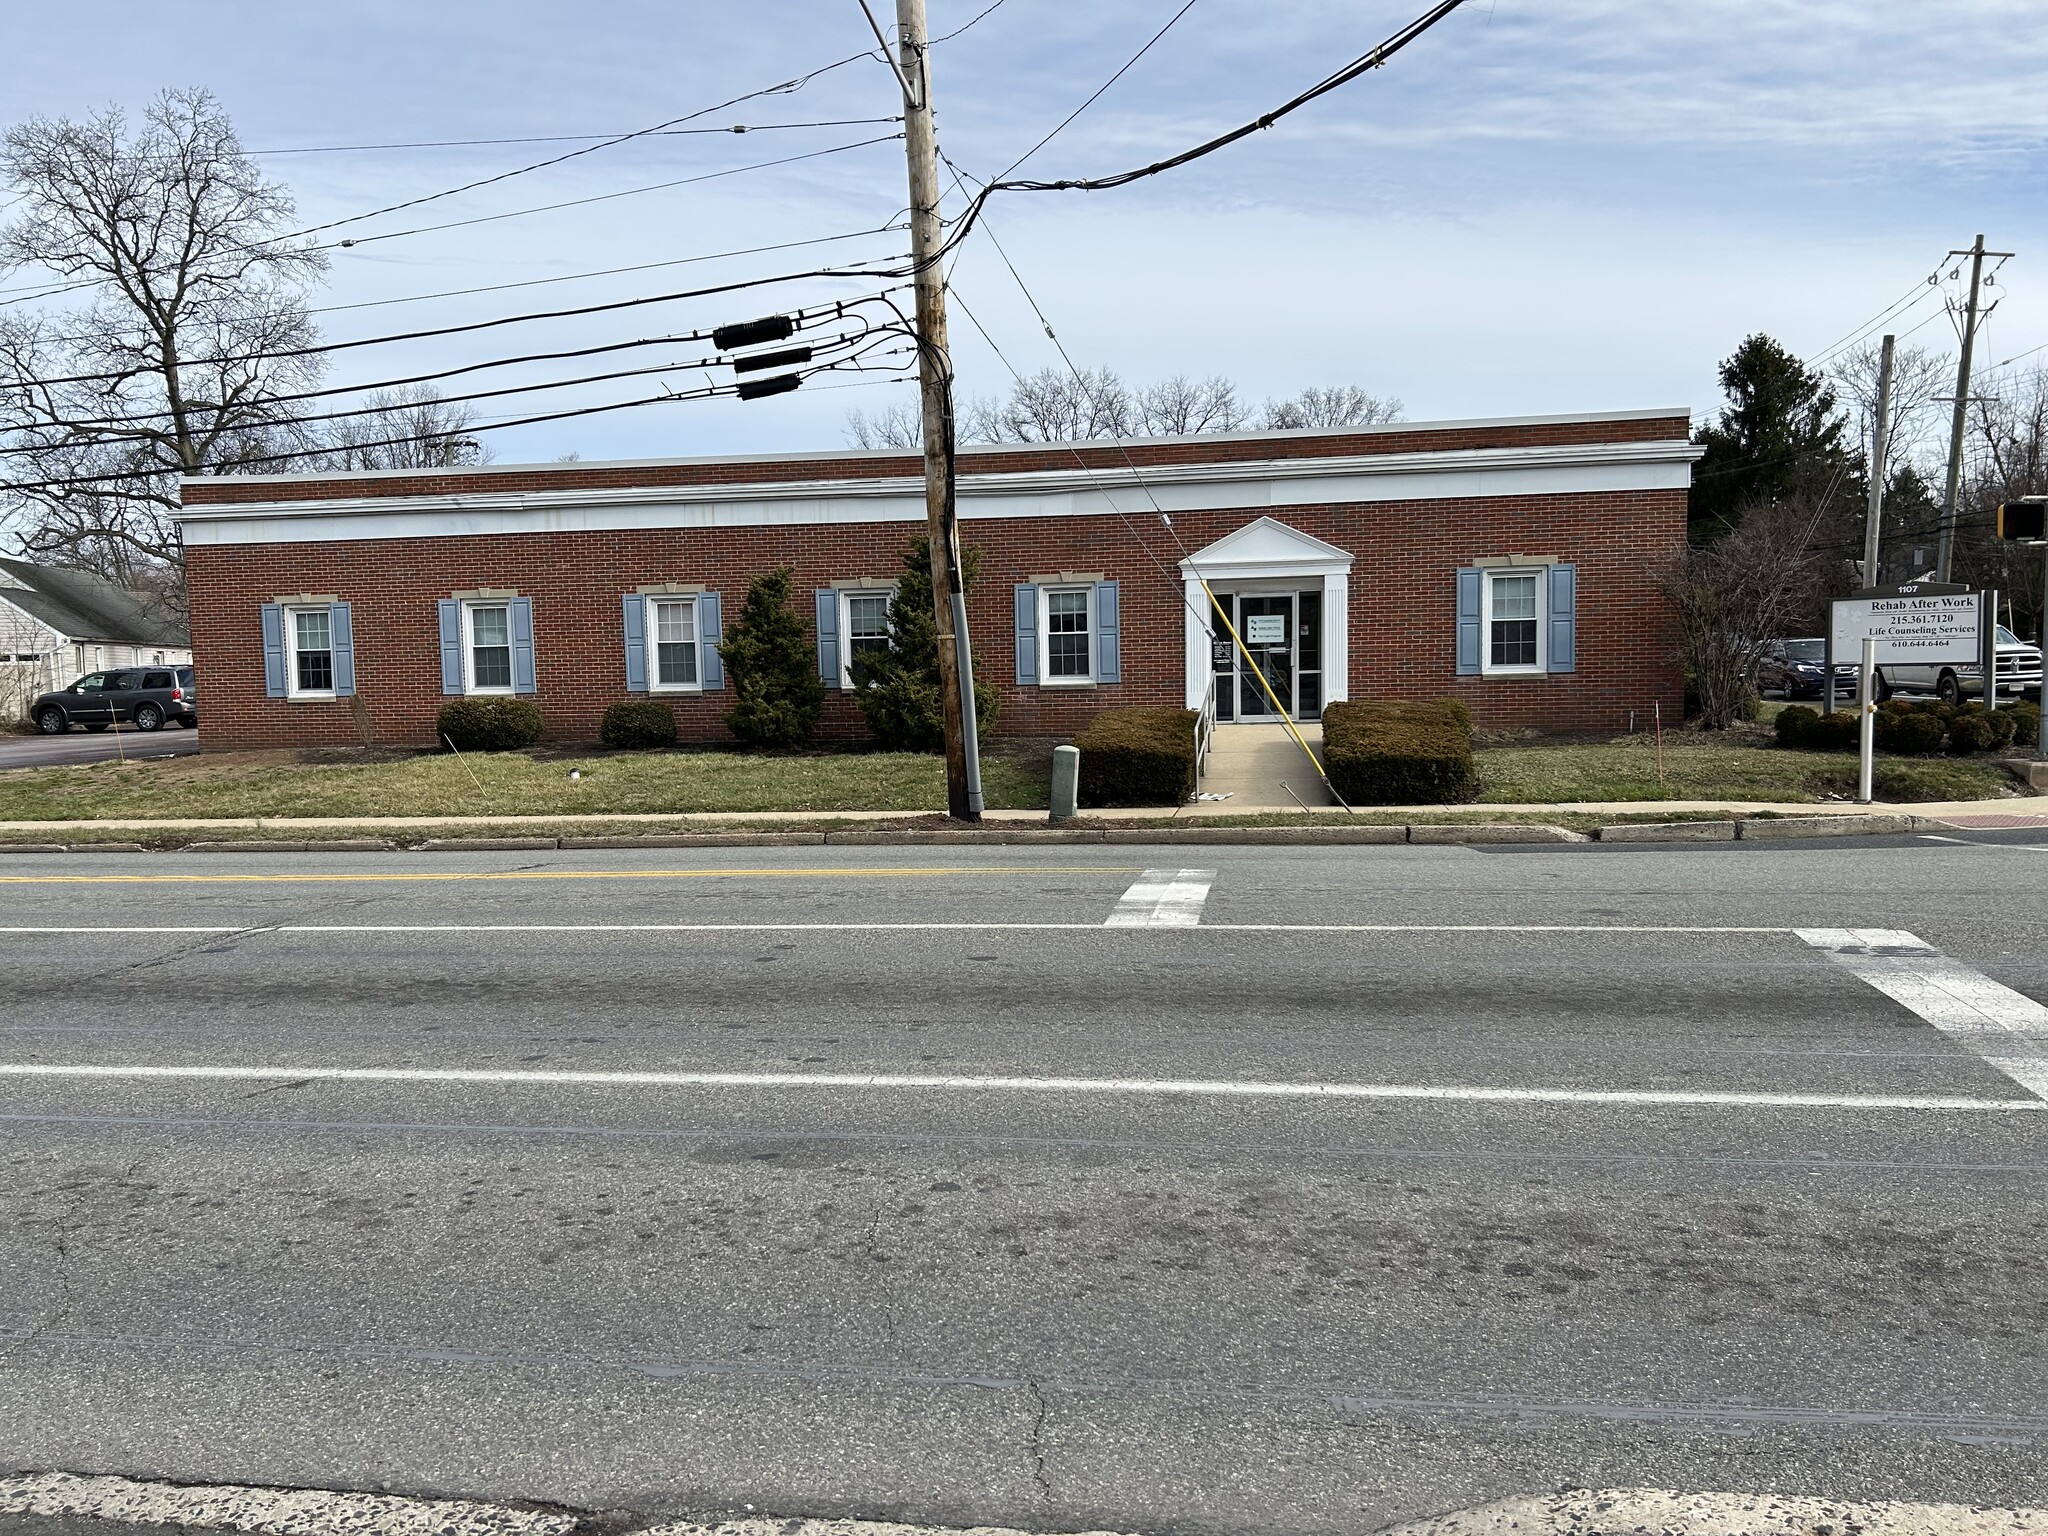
(568, 138)
(606, 197)
(1100, 90)
(968, 26)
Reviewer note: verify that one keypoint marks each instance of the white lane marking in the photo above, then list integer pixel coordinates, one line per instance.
(317, 928)
(1983, 1015)
(1163, 898)
(1929, 837)
(1106, 1086)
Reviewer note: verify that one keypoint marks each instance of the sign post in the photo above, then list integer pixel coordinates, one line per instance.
(1866, 726)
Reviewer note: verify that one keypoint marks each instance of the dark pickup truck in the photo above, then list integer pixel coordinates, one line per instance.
(147, 698)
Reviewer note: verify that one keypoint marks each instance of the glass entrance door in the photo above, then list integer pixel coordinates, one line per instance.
(1266, 621)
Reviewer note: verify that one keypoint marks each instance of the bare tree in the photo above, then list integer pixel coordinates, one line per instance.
(2008, 460)
(1181, 406)
(1340, 405)
(1056, 406)
(1735, 596)
(896, 426)
(1920, 378)
(406, 428)
(192, 312)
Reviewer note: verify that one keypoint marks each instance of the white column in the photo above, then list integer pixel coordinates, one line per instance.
(1196, 629)
(1336, 637)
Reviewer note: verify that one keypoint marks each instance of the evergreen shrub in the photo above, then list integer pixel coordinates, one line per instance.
(1142, 755)
(635, 725)
(490, 725)
(1405, 753)
(769, 657)
(897, 690)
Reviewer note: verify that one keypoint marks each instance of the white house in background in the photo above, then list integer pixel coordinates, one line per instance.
(56, 625)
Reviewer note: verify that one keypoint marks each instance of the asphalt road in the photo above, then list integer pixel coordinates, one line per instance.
(83, 746)
(916, 1191)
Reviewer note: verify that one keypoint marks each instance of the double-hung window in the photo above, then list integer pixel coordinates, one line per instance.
(867, 624)
(487, 647)
(309, 634)
(673, 621)
(1514, 621)
(1069, 635)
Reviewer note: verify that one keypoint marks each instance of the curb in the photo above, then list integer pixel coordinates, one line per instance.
(1661, 1512)
(1437, 834)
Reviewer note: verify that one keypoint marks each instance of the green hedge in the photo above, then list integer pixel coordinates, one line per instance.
(1792, 724)
(634, 725)
(1908, 732)
(1143, 755)
(490, 725)
(1416, 753)
(1808, 731)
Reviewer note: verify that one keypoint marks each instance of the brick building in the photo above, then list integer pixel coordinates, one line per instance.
(1514, 563)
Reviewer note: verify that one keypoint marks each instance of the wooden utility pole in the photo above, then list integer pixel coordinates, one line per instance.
(1880, 444)
(1952, 492)
(935, 375)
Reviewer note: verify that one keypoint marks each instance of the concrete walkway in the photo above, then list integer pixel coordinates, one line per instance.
(1261, 768)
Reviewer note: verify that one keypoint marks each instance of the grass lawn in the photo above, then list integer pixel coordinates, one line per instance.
(340, 783)
(1706, 767)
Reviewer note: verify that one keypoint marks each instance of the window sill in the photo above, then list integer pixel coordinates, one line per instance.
(672, 689)
(311, 698)
(1511, 672)
(1068, 682)
(488, 693)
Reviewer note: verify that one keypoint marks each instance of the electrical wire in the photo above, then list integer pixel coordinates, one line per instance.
(1100, 90)
(970, 25)
(606, 197)
(566, 138)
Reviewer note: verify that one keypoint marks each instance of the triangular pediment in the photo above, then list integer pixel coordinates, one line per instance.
(1267, 544)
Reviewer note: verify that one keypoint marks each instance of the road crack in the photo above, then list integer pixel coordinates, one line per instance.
(1041, 1411)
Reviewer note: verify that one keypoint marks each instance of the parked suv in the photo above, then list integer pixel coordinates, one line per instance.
(147, 698)
(1794, 667)
(2019, 673)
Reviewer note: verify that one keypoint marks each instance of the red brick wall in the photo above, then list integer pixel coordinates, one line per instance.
(1402, 619)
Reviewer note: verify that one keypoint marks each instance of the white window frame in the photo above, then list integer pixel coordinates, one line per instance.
(1488, 576)
(469, 682)
(292, 690)
(1045, 597)
(846, 597)
(651, 626)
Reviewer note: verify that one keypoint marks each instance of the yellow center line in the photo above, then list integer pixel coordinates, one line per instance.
(565, 874)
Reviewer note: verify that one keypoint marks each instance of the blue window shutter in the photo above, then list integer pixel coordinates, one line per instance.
(1564, 619)
(273, 650)
(633, 611)
(1109, 659)
(523, 680)
(710, 630)
(828, 638)
(451, 645)
(1469, 637)
(1027, 634)
(341, 638)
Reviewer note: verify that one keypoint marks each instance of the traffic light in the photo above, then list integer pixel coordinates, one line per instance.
(2023, 519)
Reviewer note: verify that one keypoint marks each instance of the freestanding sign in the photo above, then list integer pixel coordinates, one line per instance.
(1909, 627)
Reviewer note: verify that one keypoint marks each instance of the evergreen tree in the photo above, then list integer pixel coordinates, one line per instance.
(1779, 440)
(774, 670)
(898, 689)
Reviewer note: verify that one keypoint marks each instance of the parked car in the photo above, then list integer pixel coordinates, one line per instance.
(147, 698)
(2018, 664)
(1798, 667)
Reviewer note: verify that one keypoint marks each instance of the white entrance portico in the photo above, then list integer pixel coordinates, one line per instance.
(1289, 595)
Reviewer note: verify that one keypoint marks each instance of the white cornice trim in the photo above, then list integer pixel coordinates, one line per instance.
(1662, 464)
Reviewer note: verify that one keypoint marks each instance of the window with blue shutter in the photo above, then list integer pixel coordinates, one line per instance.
(341, 640)
(828, 638)
(633, 615)
(1027, 634)
(1564, 619)
(523, 679)
(273, 650)
(710, 630)
(1469, 626)
(451, 645)
(1109, 664)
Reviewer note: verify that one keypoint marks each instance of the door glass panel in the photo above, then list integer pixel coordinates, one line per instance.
(1308, 657)
(1267, 625)
(1223, 656)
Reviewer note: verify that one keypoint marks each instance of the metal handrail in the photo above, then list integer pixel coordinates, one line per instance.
(1205, 730)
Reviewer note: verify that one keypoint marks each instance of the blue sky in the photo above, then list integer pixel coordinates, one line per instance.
(1545, 205)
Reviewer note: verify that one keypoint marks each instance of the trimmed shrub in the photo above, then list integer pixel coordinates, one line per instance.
(1143, 755)
(490, 725)
(634, 725)
(2026, 725)
(774, 670)
(1387, 753)
(1999, 726)
(1969, 733)
(1908, 732)
(1832, 733)
(1793, 724)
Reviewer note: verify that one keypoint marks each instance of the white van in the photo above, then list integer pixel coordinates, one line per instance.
(2019, 672)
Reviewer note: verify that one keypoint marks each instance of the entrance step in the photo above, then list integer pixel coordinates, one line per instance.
(1258, 764)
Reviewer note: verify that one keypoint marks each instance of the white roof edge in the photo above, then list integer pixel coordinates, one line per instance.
(794, 455)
